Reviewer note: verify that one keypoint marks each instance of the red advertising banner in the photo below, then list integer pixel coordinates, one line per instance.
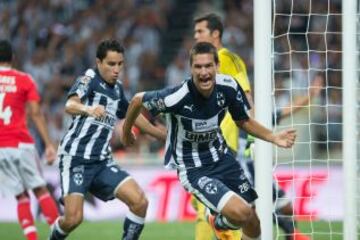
(314, 193)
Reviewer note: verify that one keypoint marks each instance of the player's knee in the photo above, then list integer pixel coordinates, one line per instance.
(242, 215)
(139, 205)
(143, 203)
(252, 227)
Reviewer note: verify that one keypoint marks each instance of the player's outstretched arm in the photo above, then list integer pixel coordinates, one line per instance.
(74, 106)
(147, 127)
(284, 139)
(303, 101)
(132, 114)
(39, 120)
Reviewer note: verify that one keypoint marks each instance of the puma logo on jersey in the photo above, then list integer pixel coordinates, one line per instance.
(189, 107)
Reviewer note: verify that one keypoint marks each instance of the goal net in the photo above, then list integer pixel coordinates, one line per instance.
(307, 95)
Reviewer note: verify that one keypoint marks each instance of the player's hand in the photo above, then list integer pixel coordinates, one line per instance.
(50, 154)
(96, 111)
(128, 138)
(285, 138)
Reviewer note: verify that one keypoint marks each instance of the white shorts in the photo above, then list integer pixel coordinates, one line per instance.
(19, 169)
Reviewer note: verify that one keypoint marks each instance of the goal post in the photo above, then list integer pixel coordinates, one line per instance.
(263, 111)
(350, 80)
(310, 39)
(262, 93)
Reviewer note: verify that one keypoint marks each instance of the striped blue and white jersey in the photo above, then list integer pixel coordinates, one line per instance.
(88, 137)
(193, 122)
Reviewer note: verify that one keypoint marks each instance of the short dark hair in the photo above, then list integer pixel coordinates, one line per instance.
(213, 22)
(202, 48)
(6, 52)
(108, 45)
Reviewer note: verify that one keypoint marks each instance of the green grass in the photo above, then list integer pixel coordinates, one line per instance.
(107, 230)
(319, 230)
(157, 231)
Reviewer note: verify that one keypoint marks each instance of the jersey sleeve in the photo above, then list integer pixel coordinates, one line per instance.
(159, 101)
(233, 65)
(81, 87)
(239, 105)
(32, 92)
(123, 105)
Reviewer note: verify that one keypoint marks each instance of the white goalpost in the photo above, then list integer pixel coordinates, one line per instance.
(350, 82)
(296, 44)
(262, 80)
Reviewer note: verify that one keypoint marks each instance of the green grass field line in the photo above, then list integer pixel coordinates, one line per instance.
(159, 231)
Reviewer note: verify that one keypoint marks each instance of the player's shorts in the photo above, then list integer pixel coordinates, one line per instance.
(214, 184)
(19, 169)
(100, 178)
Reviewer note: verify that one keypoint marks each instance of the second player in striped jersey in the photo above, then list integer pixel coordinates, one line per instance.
(95, 102)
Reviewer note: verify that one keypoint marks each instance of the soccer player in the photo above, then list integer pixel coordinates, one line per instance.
(195, 146)
(96, 101)
(209, 28)
(19, 165)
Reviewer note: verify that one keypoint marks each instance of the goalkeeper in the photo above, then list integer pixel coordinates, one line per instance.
(209, 28)
(283, 207)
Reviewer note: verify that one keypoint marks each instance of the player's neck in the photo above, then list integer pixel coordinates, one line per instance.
(205, 93)
(218, 45)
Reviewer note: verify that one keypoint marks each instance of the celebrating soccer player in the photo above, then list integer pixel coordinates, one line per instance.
(195, 146)
(209, 28)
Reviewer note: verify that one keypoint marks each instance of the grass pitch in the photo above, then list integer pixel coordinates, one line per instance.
(160, 231)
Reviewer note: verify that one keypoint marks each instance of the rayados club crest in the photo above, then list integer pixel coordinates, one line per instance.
(220, 99)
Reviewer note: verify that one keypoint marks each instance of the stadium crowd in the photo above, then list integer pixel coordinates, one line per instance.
(54, 41)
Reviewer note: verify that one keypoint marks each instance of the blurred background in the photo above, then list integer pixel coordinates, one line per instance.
(55, 41)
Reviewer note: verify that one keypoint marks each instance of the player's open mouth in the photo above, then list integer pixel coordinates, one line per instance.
(205, 80)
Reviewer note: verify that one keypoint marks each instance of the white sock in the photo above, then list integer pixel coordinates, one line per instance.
(135, 218)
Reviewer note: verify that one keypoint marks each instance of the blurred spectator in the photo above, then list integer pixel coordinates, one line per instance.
(177, 71)
(39, 67)
(54, 40)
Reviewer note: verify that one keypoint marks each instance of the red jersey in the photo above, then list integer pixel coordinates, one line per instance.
(16, 89)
